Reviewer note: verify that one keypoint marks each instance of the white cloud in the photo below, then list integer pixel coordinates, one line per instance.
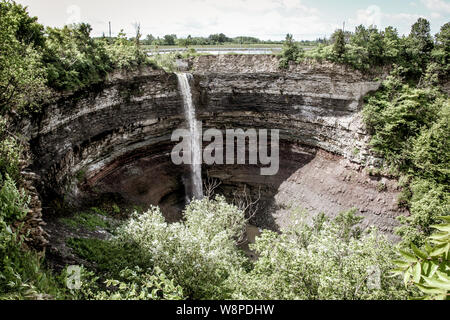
(266, 19)
(437, 5)
(373, 15)
(370, 16)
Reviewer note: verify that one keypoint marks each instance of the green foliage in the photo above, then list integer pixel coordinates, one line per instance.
(124, 54)
(21, 273)
(130, 284)
(13, 202)
(199, 254)
(22, 73)
(89, 221)
(110, 257)
(367, 49)
(428, 200)
(74, 60)
(138, 284)
(431, 149)
(439, 69)
(409, 122)
(410, 129)
(418, 47)
(328, 260)
(33, 60)
(397, 114)
(23, 276)
(339, 44)
(428, 268)
(166, 61)
(199, 259)
(169, 39)
(10, 152)
(291, 52)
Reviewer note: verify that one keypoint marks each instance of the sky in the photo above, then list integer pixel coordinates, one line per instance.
(265, 19)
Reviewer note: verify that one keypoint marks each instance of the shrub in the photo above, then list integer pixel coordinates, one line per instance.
(21, 273)
(73, 59)
(431, 149)
(291, 52)
(199, 254)
(328, 260)
(110, 257)
(10, 153)
(22, 73)
(130, 284)
(396, 114)
(428, 201)
(125, 54)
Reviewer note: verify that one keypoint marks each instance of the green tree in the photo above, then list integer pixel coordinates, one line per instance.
(391, 45)
(291, 52)
(74, 60)
(439, 70)
(420, 34)
(339, 44)
(149, 39)
(169, 39)
(431, 150)
(375, 48)
(219, 38)
(428, 268)
(22, 74)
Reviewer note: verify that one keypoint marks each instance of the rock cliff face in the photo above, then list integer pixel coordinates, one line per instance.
(317, 105)
(115, 139)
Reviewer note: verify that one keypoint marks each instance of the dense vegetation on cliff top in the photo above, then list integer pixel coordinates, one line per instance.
(409, 117)
(198, 258)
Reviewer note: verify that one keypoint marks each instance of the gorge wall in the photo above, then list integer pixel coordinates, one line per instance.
(115, 139)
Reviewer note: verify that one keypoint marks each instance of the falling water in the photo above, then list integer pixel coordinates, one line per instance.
(189, 110)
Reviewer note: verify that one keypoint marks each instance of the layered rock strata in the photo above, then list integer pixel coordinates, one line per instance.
(115, 139)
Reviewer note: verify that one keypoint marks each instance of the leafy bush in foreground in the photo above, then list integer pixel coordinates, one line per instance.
(130, 284)
(329, 260)
(428, 269)
(200, 254)
(326, 261)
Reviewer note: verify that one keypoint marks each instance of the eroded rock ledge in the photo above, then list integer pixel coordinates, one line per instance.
(115, 139)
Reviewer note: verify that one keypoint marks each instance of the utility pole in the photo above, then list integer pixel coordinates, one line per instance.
(343, 27)
(110, 35)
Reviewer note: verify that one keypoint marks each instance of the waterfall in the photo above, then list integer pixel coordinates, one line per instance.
(189, 111)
